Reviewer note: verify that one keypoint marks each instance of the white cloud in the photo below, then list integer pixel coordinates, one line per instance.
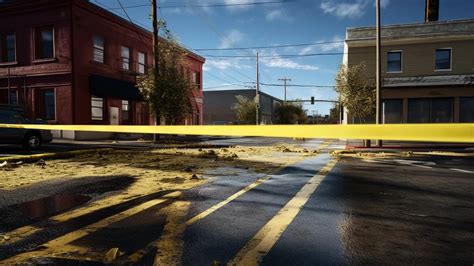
(223, 64)
(278, 14)
(278, 62)
(335, 44)
(344, 10)
(232, 37)
(238, 7)
(352, 9)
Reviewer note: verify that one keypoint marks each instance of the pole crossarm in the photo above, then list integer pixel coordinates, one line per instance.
(453, 132)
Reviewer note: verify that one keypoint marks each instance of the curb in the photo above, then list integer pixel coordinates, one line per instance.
(55, 155)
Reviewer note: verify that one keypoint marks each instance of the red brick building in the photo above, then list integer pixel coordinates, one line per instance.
(72, 62)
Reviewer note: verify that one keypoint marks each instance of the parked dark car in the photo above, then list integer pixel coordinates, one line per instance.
(29, 138)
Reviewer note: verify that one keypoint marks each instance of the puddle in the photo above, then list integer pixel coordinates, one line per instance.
(45, 207)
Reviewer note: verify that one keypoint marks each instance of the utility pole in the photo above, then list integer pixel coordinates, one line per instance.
(156, 50)
(257, 95)
(378, 75)
(285, 79)
(156, 59)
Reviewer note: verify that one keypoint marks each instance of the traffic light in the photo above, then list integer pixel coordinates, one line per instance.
(312, 100)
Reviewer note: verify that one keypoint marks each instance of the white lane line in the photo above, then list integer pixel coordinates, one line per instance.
(462, 171)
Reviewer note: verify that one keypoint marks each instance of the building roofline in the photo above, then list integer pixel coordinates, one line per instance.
(136, 26)
(246, 90)
(414, 24)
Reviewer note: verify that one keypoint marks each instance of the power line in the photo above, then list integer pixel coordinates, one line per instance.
(124, 11)
(300, 85)
(222, 37)
(213, 5)
(268, 47)
(224, 86)
(282, 56)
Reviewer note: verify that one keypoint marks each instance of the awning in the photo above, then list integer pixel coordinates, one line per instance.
(108, 87)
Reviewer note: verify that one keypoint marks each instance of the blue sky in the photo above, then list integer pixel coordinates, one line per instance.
(301, 21)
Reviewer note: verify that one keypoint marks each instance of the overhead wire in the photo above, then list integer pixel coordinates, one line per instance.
(213, 5)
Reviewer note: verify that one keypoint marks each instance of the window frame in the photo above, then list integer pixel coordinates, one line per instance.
(43, 91)
(4, 48)
(140, 64)
(122, 58)
(430, 108)
(450, 59)
(384, 117)
(94, 48)
(37, 43)
(96, 118)
(401, 61)
(127, 111)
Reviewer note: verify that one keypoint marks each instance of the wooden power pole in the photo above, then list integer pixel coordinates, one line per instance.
(257, 95)
(156, 51)
(285, 79)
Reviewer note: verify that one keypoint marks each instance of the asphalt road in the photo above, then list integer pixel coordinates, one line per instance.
(415, 210)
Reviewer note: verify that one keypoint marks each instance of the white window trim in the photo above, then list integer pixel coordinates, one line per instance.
(140, 64)
(450, 60)
(94, 47)
(401, 62)
(121, 57)
(96, 118)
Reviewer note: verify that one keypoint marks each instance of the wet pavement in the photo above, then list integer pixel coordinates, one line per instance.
(415, 210)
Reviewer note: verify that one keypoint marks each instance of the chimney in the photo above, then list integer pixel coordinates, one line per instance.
(431, 10)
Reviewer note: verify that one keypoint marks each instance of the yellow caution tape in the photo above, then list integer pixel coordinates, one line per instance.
(463, 133)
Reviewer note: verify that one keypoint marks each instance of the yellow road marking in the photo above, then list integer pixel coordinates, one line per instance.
(70, 237)
(449, 132)
(139, 254)
(25, 231)
(242, 191)
(254, 251)
(110, 220)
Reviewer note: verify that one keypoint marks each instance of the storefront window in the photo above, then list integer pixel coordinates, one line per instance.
(392, 111)
(466, 109)
(435, 110)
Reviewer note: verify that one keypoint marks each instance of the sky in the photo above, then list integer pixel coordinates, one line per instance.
(282, 23)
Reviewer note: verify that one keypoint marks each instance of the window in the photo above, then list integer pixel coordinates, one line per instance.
(44, 42)
(125, 110)
(125, 58)
(14, 97)
(392, 111)
(141, 63)
(435, 110)
(45, 104)
(394, 62)
(466, 109)
(443, 59)
(99, 49)
(195, 78)
(97, 108)
(7, 48)
(4, 96)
